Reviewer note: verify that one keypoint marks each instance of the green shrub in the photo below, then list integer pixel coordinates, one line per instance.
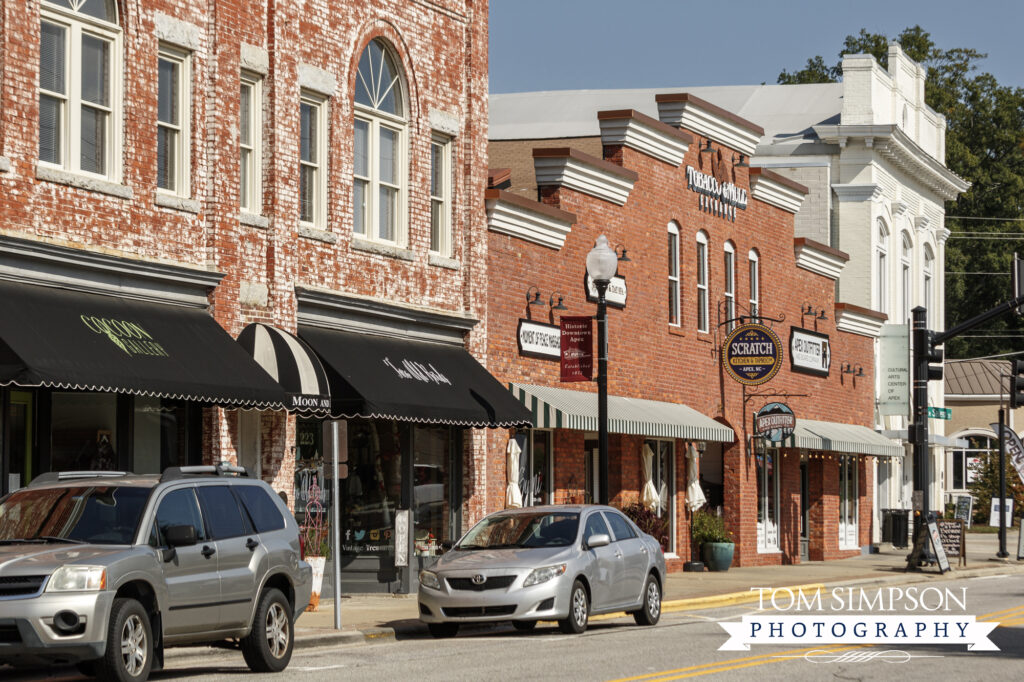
(649, 522)
(708, 527)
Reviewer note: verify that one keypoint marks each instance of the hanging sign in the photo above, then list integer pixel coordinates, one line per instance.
(752, 354)
(538, 340)
(809, 352)
(774, 422)
(894, 369)
(615, 295)
(577, 348)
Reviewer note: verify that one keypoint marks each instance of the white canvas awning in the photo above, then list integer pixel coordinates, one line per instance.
(835, 437)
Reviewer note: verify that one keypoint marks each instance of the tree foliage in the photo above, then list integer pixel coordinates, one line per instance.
(985, 145)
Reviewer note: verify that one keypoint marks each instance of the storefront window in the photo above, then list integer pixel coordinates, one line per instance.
(663, 477)
(431, 475)
(84, 432)
(538, 490)
(160, 437)
(966, 463)
(848, 502)
(768, 501)
(20, 419)
(372, 493)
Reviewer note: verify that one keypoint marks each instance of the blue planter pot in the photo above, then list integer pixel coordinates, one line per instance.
(718, 555)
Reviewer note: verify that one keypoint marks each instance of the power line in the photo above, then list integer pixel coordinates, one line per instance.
(995, 220)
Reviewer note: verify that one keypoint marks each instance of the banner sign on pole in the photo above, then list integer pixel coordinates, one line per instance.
(1014, 448)
(577, 354)
(894, 369)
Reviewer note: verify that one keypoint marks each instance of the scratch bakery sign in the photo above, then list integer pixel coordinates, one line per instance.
(752, 354)
(809, 352)
(539, 340)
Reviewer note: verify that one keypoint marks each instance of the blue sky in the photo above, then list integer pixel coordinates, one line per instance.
(576, 44)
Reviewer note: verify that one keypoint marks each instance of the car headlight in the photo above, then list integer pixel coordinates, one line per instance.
(542, 575)
(430, 579)
(78, 579)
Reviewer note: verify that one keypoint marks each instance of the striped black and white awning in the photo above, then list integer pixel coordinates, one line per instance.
(292, 364)
(561, 408)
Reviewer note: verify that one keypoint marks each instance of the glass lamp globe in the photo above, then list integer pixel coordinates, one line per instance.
(602, 261)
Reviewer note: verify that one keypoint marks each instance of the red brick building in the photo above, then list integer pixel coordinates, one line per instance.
(314, 166)
(708, 240)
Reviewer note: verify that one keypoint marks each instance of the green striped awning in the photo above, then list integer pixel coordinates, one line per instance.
(561, 408)
(835, 437)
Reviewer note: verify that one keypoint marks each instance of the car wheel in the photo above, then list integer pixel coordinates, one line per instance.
(650, 611)
(524, 625)
(129, 655)
(443, 630)
(268, 646)
(579, 611)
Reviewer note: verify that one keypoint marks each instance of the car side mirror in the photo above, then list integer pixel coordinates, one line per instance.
(598, 540)
(180, 536)
(447, 546)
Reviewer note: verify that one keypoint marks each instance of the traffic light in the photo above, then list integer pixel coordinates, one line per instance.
(1016, 384)
(1018, 281)
(935, 356)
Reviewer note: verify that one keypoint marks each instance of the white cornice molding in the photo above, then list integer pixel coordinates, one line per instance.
(818, 261)
(690, 116)
(856, 192)
(573, 173)
(522, 223)
(777, 194)
(921, 223)
(858, 323)
(635, 134)
(899, 208)
(894, 145)
(942, 235)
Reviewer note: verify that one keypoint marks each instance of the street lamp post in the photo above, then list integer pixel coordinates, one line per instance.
(601, 266)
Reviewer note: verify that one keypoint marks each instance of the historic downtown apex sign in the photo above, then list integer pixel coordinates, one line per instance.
(752, 354)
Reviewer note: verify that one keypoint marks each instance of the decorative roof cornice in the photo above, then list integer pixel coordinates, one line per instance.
(686, 111)
(896, 146)
(819, 258)
(632, 129)
(570, 168)
(777, 190)
(857, 320)
(866, 191)
(523, 218)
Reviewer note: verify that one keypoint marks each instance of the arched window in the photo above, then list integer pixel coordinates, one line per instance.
(80, 86)
(729, 272)
(906, 251)
(379, 184)
(754, 260)
(702, 281)
(881, 265)
(929, 278)
(673, 274)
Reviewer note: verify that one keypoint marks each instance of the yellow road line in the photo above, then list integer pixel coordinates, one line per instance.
(778, 658)
(651, 676)
(1004, 613)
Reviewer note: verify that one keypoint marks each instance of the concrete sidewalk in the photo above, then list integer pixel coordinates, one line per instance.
(369, 618)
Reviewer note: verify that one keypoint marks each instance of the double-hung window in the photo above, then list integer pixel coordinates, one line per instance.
(929, 275)
(730, 285)
(905, 279)
(881, 265)
(312, 160)
(250, 129)
(80, 86)
(441, 194)
(754, 262)
(673, 275)
(173, 114)
(379, 168)
(702, 282)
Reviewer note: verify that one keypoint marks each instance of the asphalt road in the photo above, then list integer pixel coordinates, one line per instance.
(683, 645)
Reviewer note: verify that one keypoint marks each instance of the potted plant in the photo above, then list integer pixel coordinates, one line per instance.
(315, 540)
(708, 531)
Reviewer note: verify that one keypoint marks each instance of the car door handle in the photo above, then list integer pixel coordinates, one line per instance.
(251, 544)
(208, 551)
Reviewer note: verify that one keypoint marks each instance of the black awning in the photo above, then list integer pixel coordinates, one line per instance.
(73, 340)
(292, 364)
(381, 377)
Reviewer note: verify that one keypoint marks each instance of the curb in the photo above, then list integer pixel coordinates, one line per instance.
(307, 638)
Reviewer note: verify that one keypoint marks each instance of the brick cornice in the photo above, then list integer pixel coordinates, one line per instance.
(777, 190)
(532, 221)
(572, 169)
(632, 129)
(819, 258)
(693, 113)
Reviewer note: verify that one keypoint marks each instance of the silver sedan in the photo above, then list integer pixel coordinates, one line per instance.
(561, 563)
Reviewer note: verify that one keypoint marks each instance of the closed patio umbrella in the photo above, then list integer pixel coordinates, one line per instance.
(649, 497)
(694, 495)
(513, 496)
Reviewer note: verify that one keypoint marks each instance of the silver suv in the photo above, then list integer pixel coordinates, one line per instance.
(105, 569)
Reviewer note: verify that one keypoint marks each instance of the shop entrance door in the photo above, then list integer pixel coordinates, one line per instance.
(804, 513)
(848, 526)
(249, 441)
(591, 471)
(19, 470)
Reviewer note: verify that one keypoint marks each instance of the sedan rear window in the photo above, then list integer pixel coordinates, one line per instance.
(524, 529)
(103, 515)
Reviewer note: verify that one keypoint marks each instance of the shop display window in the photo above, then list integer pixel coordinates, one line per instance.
(431, 488)
(84, 432)
(372, 493)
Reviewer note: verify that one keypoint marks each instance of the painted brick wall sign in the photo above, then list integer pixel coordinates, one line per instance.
(809, 352)
(752, 354)
(577, 348)
(538, 340)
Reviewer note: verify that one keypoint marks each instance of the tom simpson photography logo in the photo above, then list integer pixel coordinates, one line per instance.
(853, 615)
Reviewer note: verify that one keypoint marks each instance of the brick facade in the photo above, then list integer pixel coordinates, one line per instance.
(651, 359)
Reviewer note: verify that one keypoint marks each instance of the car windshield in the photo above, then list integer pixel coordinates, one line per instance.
(523, 529)
(104, 515)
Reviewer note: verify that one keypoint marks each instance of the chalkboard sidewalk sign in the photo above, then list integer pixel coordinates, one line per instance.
(928, 532)
(964, 507)
(952, 533)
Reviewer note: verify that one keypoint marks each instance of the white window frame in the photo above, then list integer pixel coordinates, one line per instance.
(729, 293)
(768, 528)
(319, 186)
(443, 198)
(667, 507)
(881, 267)
(849, 506)
(928, 275)
(183, 143)
(528, 495)
(674, 298)
(702, 282)
(906, 281)
(250, 193)
(754, 263)
(75, 24)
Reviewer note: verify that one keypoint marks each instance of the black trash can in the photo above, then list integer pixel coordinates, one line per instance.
(900, 527)
(887, 525)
